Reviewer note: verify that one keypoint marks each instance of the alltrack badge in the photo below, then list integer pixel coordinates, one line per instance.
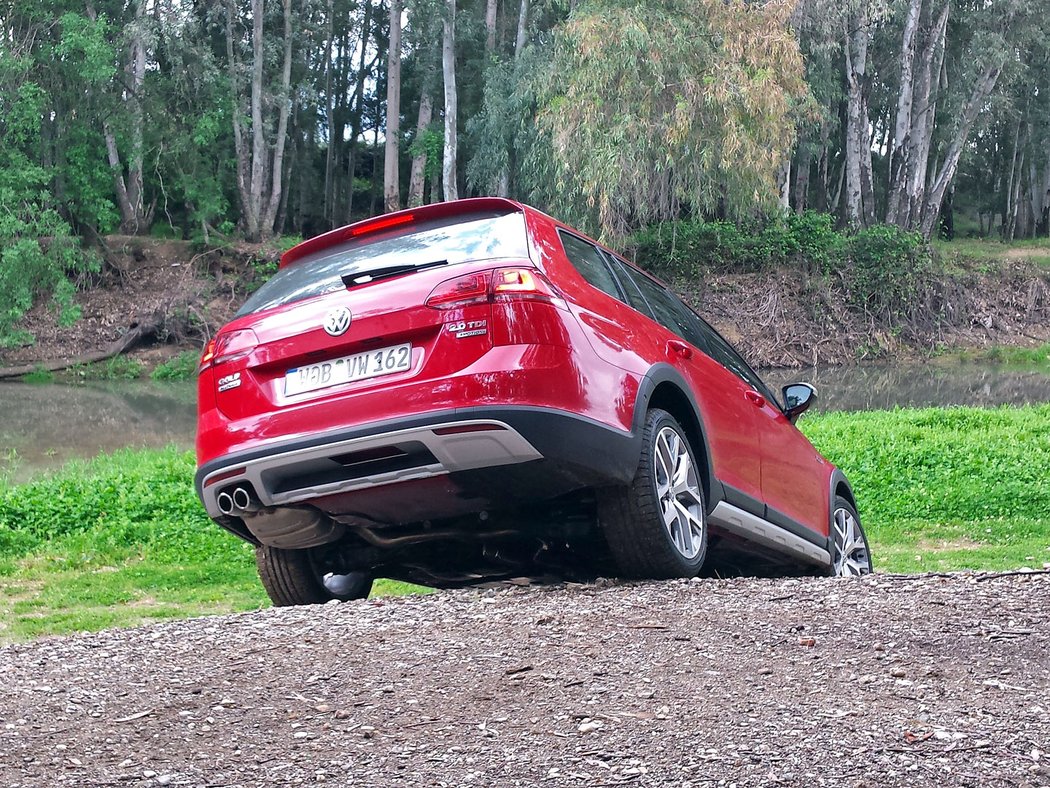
(337, 321)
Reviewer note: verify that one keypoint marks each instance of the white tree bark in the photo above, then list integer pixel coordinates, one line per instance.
(858, 139)
(448, 70)
(491, 7)
(981, 91)
(523, 28)
(391, 173)
(419, 162)
(898, 166)
(283, 100)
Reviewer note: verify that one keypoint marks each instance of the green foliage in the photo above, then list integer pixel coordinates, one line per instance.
(115, 368)
(886, 270)
(38, 376)
(684, 248)
(118, 541)
(180, 367)
(658, 108)
(946, 488)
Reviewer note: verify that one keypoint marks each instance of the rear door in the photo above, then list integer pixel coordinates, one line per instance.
(732, 426)
(794, 475)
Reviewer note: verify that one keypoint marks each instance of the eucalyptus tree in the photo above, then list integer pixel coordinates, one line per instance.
(670, 107)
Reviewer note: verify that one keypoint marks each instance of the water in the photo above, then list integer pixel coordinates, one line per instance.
(884, 386)
(43, 426)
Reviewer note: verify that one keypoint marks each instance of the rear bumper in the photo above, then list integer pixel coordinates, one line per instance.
(537, 453)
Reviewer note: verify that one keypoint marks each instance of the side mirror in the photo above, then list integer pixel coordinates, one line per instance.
(798, 397)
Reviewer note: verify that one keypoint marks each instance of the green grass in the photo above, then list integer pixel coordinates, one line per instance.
(180, 367)
(1021, 357)
(115, 368)
(987, 250)
(945, 489)
(122, 539)
(117, 541)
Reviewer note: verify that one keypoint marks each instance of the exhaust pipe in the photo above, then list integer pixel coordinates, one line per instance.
(225, 503)
(243, 501)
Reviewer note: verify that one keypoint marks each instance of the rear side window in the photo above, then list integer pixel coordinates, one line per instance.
(669, 312)
(454, 239)
(591, 264)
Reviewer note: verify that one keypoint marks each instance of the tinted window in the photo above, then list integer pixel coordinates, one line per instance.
(630, 289)
(669, 312)
(724, 353)
(454, 239)
(591, 264)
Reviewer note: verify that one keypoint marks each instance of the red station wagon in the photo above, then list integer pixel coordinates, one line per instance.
(471, 391)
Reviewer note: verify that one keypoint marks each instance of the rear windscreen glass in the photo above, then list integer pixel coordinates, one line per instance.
(455, 239)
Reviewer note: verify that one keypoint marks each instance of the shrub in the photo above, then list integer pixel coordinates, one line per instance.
(885, 271)
(180, 367)
(685, 248)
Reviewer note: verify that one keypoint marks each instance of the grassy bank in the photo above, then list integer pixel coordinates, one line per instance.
(122, 539)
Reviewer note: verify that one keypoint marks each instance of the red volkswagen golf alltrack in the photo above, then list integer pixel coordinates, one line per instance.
(471, 391)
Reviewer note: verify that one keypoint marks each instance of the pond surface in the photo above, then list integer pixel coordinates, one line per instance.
(882, 387)
(43, 426)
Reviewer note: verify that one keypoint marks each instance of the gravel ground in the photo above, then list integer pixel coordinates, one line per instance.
(885, 681)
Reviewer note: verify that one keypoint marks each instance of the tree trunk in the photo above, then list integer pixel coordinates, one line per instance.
(283, 100)
(448, 70)
(924, 116)
(391, 174)
(523, 28)
(491, 7)
(258, 166)
(358, 114)
(419, 161)
(981, 91)
(898, 166)
(134, 216)
(802, 175)
(329, 158)
(858, 140)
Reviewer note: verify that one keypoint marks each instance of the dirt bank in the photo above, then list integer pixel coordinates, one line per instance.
(778, 319)
(885, 681)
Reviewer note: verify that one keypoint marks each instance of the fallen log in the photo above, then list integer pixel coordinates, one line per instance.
(141, 328)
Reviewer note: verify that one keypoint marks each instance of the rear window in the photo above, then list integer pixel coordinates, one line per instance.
(454, 239)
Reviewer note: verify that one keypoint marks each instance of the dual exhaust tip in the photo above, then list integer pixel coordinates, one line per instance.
(237, 502)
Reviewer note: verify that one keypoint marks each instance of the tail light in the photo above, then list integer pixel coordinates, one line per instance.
(230, 346)
(463, 290)
(502, 284)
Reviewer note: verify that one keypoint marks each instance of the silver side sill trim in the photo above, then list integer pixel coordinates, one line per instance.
(459, 451)
(755, 529)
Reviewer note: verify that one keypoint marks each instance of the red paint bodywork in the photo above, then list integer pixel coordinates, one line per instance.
(583, 353)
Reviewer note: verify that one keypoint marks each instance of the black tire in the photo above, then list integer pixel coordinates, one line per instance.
(632, 516)
(291, 577)
(860, 562)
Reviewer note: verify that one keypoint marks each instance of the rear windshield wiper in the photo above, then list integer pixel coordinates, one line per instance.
(364, 277)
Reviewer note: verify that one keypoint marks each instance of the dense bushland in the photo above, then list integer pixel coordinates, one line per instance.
(882, 269)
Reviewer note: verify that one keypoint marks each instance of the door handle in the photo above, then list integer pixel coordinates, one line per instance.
(755, 398)
(679, 348)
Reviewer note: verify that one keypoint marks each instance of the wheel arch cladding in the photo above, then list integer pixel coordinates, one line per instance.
(840, 486)
(664, 387)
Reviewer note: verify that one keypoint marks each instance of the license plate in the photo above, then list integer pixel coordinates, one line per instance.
(360, 366)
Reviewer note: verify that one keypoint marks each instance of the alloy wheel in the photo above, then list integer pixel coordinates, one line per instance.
(851, 556)
(677, 487)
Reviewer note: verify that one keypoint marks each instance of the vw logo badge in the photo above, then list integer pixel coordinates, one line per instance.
(337, 321)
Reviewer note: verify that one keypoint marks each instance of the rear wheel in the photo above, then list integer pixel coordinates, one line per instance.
(299, 577)
(656, 526)
(850, 555)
